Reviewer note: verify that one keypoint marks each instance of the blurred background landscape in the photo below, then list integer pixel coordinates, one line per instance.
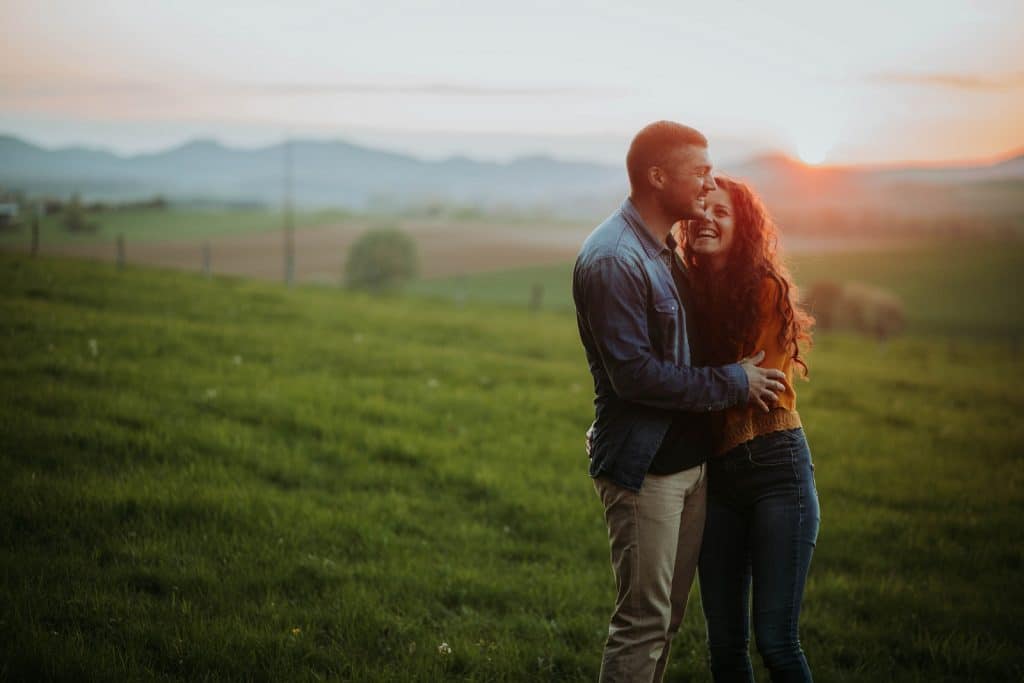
(292, 383)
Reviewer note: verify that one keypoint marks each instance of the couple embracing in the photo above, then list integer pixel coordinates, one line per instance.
(691, 328)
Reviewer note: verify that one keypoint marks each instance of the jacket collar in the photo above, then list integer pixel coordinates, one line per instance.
(651, 246)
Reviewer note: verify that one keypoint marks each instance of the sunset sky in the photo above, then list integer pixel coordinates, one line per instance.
(865, 82)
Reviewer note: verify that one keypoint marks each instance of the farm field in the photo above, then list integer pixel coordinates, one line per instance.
(225, 479)
(153, 226)
(950, 288)
(251, 244)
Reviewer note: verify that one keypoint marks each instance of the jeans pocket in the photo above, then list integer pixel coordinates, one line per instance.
(772, 450)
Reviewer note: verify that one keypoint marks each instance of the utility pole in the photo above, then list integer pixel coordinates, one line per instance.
(289, 227)
(35, 228)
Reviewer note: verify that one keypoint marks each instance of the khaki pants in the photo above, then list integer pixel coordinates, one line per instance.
(655, 536)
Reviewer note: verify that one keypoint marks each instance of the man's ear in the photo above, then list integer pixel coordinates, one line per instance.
(656, 177)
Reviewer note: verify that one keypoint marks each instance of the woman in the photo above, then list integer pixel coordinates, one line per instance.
(762, 514)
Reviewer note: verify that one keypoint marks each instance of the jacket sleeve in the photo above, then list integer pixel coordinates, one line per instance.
(615, 301)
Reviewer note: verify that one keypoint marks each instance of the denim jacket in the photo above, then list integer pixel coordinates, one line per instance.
(633, 330)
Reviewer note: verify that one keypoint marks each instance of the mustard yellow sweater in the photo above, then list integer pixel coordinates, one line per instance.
(742, 423)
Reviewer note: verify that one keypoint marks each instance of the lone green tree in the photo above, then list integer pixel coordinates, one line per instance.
(382, 259)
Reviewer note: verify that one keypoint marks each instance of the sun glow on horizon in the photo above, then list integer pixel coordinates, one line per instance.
(813, 152)
(814, 140)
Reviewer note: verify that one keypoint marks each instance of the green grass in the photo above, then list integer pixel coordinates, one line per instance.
(226, 479)
(174, 223)
(949, 288)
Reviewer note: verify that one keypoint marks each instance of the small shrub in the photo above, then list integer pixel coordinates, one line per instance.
(381, 259)
(857, 307)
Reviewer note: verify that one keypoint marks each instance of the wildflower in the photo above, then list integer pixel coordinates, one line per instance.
(211, 393)
(433, 383)
(296, 631)
(94, 347)
(237, 360)
(444, 649)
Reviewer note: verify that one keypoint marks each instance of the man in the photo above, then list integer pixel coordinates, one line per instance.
(649, 441)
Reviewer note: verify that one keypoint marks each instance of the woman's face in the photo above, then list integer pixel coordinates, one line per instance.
(713, 237)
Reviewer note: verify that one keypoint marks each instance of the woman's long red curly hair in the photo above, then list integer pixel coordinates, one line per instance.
(728, 302)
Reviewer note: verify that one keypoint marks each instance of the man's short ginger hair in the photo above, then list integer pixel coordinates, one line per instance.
(652, 145)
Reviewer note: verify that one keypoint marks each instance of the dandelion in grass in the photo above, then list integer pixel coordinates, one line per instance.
(237, 360)
(211, 393)
(433, 383)
(444, 649)
(94, 347)
(296, 631)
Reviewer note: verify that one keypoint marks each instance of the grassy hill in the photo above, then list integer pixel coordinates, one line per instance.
(228, 479)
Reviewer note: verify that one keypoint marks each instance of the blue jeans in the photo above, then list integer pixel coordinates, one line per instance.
(761, 527)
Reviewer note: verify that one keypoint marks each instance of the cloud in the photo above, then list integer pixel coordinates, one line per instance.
(28, 88)
(439, 89)
(22, 87)
(956, 81)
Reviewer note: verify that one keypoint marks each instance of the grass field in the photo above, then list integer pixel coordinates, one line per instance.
(228, 479)
(957, 288)
(174, 223)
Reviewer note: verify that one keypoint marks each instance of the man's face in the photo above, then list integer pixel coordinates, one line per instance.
(683, 180)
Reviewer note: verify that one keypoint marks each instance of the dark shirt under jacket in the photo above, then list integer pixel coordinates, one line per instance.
(688, 441)
(633, 330)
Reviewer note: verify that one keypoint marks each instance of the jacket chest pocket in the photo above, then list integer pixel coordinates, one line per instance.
(664, 324)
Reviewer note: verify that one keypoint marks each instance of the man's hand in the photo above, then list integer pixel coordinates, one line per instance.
(765, 384)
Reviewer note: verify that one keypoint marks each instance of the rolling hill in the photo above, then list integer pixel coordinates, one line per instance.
(337, 173)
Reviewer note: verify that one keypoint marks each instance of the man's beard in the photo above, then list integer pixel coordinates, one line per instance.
(681, 210)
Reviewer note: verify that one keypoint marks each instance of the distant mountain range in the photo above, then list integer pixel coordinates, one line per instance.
(337, 173)
(329, 173)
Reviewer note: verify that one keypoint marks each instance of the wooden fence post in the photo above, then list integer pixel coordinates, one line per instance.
(536, 297)
(460, 290)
